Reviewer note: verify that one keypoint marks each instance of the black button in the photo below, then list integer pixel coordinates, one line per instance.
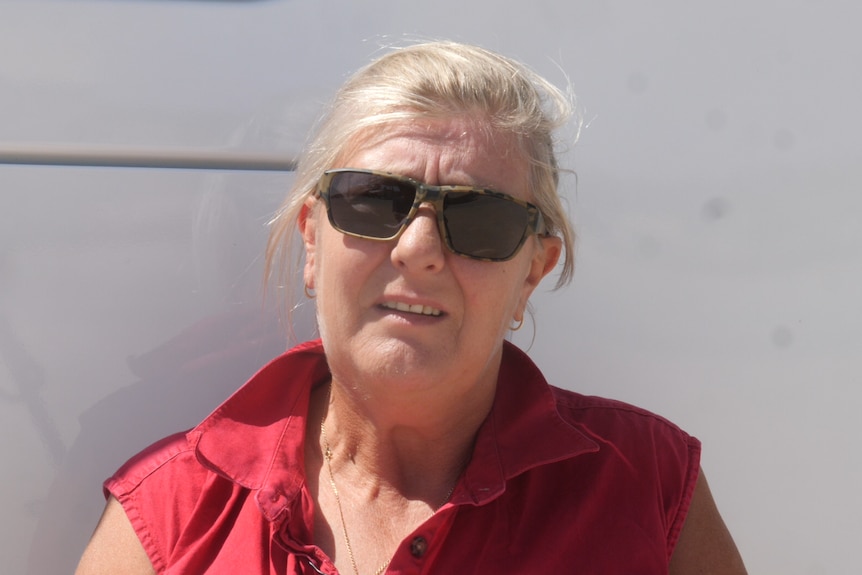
(418, 546)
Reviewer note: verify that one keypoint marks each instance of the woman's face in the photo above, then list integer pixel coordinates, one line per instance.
(460, 309)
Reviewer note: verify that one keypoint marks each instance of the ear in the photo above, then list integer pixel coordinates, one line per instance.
(307, 223)
(544, 259)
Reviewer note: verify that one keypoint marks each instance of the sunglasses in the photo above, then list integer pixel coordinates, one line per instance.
(476, 223)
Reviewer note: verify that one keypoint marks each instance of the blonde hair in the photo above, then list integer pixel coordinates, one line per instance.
(432, 81)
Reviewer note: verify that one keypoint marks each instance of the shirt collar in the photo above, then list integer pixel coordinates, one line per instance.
(256, 437)
(524, 430)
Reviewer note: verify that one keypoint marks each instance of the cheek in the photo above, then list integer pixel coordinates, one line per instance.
(494, 293)
(330, 256)
(344, 271)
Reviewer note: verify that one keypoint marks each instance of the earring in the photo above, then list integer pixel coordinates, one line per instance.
(517, 327)
(308, 293)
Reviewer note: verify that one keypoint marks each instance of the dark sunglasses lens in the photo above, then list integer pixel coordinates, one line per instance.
(368, 204)
(484, 226)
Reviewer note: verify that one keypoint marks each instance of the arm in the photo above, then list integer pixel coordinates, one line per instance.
(114, 548)
(705, 546)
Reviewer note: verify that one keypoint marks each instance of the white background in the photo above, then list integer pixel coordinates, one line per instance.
(718, 207)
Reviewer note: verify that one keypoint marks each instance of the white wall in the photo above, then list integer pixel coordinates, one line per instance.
(718, 203)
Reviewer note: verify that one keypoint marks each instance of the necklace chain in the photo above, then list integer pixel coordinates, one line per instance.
(327, 455)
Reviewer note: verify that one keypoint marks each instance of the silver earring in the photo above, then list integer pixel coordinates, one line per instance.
(518, 326)
(308, 293)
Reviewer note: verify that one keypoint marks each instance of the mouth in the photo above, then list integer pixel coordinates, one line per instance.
(414, 308)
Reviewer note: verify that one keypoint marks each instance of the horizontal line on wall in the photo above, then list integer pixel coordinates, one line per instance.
(128, 157)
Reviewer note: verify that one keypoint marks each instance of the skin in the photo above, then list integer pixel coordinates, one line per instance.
(114, 547)
(705, 546)
(409, 391)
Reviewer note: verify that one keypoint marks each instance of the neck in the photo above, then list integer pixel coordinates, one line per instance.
(391, 464)
(391, 453)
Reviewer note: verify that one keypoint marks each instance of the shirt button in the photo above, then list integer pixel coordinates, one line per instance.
(418, 547)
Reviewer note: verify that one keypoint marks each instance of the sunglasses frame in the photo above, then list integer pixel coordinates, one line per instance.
(435, 196)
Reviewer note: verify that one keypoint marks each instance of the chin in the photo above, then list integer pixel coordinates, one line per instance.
(404, 354)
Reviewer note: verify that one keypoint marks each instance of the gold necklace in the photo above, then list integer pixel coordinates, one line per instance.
(327, 455)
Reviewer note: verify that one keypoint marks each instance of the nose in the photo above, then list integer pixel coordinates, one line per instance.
(420, 247)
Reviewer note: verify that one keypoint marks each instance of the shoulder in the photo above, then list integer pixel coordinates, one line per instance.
(161, 483)
(172, 457)
(610, 420)
(642, 447)
(640, 450)
(531, 411)
(160, 490)
(646, 467)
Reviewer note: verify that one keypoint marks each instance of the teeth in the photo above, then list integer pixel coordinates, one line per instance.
(415, 308)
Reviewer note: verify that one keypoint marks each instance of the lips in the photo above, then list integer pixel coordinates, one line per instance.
(412, 308)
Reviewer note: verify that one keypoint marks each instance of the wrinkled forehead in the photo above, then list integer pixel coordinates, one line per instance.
(476, 128)
(471, 138)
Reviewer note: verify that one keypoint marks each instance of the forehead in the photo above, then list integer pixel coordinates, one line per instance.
(462, 151)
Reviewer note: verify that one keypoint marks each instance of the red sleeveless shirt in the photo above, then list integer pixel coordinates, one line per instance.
(558, 483)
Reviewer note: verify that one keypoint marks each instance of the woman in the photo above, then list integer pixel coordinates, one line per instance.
(412, 437)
